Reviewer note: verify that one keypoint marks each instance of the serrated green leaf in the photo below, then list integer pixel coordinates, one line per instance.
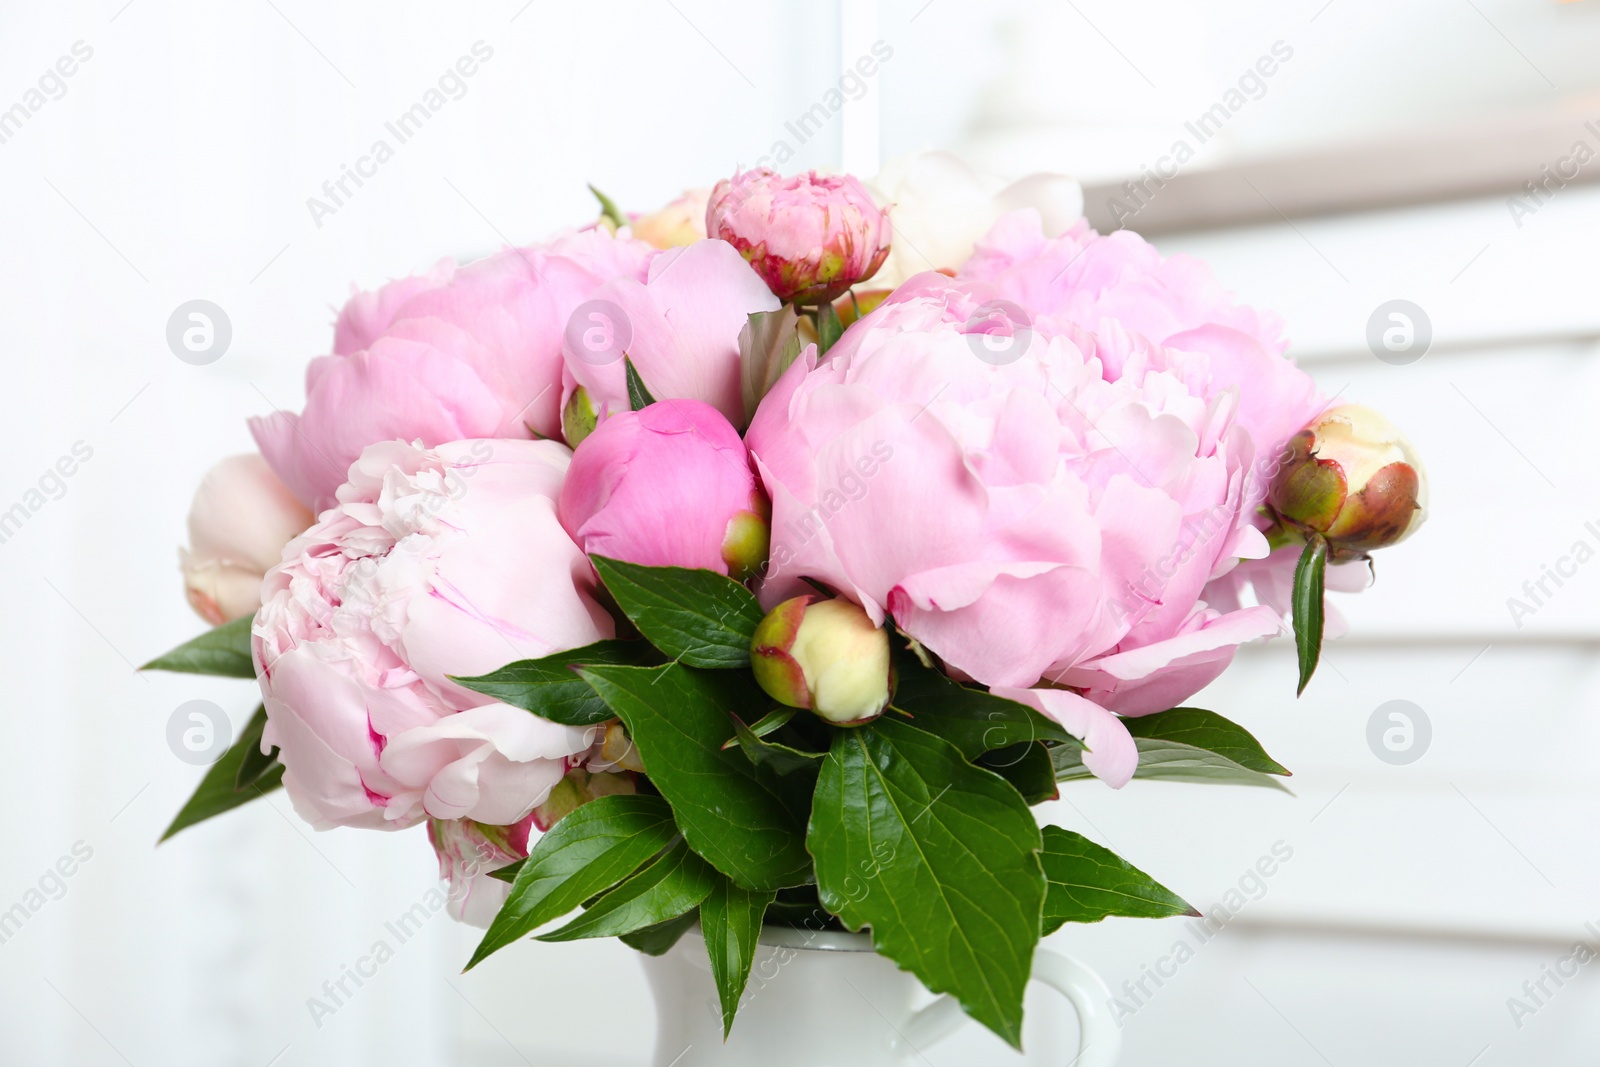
(1188, 744)
(585, 853)
(1306, 602)
(972, 719)
(730, 920)
(740, 818)
(638, 395)
(218, 791)
(550, 688)
(658, 940)
(223, 651)
(674, 883)
(1087, 882)
(829, 328)
(697, 617)
(941, 860)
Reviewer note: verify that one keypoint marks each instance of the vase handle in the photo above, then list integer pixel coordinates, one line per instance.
(1099, 1040)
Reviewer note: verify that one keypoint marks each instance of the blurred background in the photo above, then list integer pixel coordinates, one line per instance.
(1339, 161)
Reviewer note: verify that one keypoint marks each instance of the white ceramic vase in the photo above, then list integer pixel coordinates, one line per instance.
(826, 999)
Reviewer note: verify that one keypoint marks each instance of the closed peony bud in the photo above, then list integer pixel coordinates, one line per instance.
(667, 486)
(825, 655)
(810, 237)
(241, 518)
(1353, 478)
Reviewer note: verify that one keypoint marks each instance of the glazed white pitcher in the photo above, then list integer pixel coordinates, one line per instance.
(826, 999)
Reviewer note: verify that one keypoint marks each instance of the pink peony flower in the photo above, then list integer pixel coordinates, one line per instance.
(241, 518)
(668, 486)
(433, 563)
(679, 326)
(369, 313)
(1087, 280)
(810, 236)
(1038, 505)
(451, 355)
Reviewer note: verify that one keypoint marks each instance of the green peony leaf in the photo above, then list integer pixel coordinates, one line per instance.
(939, 857)
(638, 395)
(696, 617)
(744, 820)
(1306, 602)
(781, 758)
(730, 919)
(254, 764)
(1027, 767)
(829, 328)
(550, 688)
(608, 208)
(224, 650)
(768, 344)
(1088, 882)
(585, 853)
(773, 720)
(972, 719)
(673, 883)
(1188, 744)
(658, 940)
(228, 783)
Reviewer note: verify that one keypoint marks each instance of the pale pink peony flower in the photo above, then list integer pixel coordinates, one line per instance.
(1035, 504)
(682, 222)
(469, 852)
(668, 486)
(433, 563)
(810, 236)
(455, 354)
(942, 207)
(241, 518)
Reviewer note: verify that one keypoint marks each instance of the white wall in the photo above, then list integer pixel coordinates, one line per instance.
(177, 165)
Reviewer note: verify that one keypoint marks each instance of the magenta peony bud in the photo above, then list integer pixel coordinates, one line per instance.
(1353, 478)
(825, 655)
(667, 486)
(241, 518)
(810, 237)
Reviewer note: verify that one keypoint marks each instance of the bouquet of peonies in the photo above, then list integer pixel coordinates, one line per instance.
(700, 567)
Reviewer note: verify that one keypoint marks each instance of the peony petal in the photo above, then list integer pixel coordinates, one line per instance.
(1109, 751)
